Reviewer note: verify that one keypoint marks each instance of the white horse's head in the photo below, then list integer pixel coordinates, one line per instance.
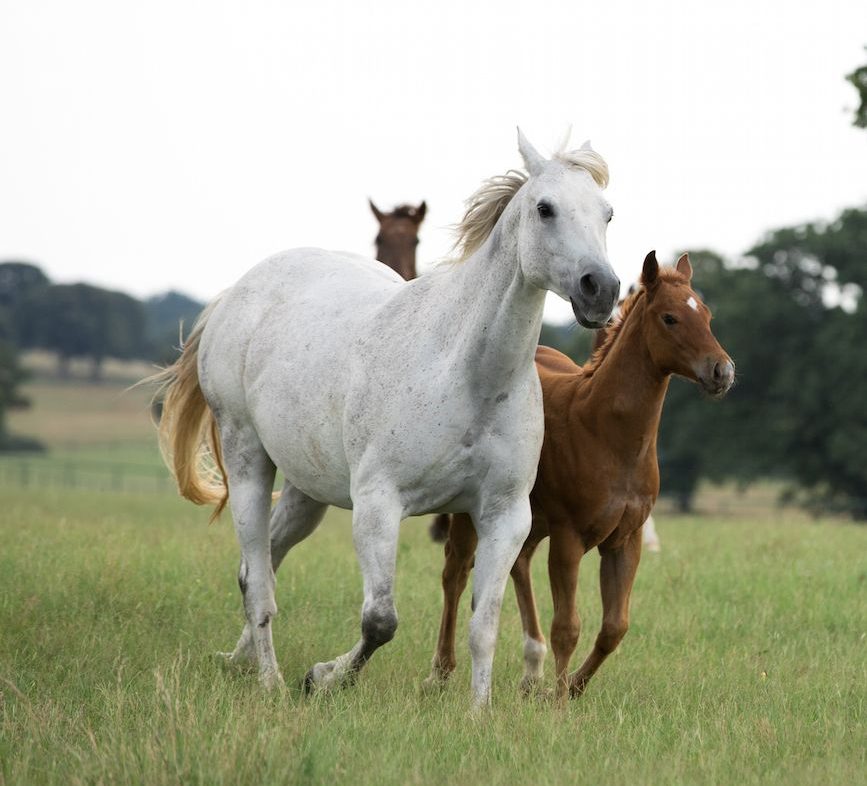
(561, 237)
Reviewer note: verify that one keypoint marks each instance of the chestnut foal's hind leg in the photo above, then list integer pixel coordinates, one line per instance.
(534, 640)
(460, 550)
(616, 577)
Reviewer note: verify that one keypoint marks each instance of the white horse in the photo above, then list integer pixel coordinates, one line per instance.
(388, 397)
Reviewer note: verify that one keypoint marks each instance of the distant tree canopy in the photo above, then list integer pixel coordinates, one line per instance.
(167, 316)
(858, 79)
(79, 320)
(84, 321)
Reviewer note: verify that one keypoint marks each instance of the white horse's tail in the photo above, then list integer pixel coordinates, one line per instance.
(189, 440)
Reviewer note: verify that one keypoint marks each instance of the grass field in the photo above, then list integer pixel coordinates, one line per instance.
(746, 661)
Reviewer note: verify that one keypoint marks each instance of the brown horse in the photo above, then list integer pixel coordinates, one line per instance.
(395, 246)
(598, 475)
(398, 237)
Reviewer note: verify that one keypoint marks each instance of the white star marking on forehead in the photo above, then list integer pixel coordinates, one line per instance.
(692, 303)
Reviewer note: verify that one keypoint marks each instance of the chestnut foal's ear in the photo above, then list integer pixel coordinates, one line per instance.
(684, 267)
(650, 271)
(419, 213)
(376, 211)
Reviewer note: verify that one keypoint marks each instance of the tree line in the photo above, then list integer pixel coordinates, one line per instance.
(78, 321)
(792, 315)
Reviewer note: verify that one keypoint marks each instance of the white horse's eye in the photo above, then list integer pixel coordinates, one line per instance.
(546, 210)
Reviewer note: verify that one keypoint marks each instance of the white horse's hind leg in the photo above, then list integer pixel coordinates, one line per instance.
(500, 541)
(375, 528)
(251, 478)
(294, 518)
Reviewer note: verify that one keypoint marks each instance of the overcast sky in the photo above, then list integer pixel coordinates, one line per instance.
(172, 145)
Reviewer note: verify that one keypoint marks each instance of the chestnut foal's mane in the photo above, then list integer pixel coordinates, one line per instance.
(612, 331)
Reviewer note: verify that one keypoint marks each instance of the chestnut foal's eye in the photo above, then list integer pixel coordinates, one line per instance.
(669, 319)
(545, 209)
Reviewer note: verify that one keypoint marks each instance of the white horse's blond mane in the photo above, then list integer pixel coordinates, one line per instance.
(487, 204)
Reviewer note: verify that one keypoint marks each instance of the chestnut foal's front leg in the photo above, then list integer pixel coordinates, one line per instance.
(564, 557)
(460, 550)
(616, 577)
(534, 640)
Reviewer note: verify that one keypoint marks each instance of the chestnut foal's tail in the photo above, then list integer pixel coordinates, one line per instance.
(439, 528)
(189, 441)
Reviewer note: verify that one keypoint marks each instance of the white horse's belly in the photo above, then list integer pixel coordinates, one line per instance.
(306, 445)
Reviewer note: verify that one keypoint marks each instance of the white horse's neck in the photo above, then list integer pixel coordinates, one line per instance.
(499, 313)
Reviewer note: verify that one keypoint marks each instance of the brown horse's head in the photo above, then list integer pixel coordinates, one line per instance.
(677, 328)
(398, 237)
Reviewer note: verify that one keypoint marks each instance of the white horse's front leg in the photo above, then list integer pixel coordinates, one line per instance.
(500, 539)
(375, 528)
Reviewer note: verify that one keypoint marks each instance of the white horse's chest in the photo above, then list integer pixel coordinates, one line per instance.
(441, 446)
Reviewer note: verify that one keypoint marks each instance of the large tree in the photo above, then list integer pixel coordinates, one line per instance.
(823, 386)
(794, 322)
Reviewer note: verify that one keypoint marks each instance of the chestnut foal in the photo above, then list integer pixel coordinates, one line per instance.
(598, 476)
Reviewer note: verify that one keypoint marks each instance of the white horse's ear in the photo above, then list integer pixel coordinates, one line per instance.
(532, 158)
(684, 267)
(587, 145)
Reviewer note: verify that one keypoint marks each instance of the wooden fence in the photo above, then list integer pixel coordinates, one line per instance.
(36, 471)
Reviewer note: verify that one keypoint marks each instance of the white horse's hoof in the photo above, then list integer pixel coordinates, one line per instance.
(231, 661)
(271, 680)
(326, 676)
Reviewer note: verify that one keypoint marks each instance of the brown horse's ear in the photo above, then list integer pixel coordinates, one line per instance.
(684, 267)
(650, 271)
(376, 211)
(419, 212)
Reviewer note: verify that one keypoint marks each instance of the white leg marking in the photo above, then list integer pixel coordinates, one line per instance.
(649, 537)
(534, 660)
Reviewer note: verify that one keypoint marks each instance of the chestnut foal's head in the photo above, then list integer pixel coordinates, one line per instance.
(398, 237)
(677, 328)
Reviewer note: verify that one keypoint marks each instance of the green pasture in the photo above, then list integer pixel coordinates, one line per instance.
(746, 661)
